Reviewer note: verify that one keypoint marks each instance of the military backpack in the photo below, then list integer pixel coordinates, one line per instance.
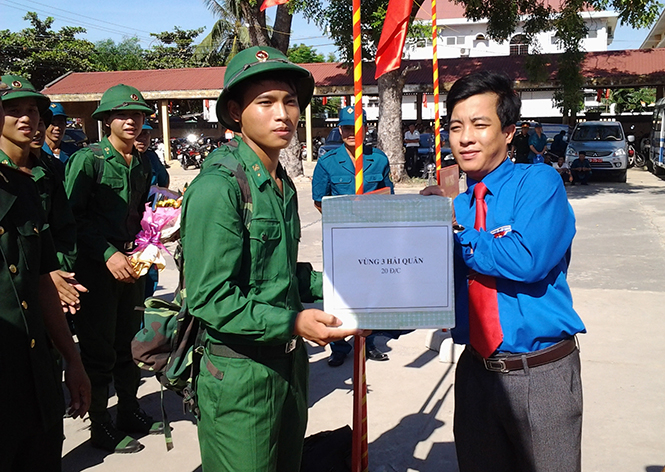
(170, 342)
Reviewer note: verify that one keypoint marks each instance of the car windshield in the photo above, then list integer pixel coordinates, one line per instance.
(334, 136)
(598, 133)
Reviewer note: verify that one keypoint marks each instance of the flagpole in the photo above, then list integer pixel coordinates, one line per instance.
(435, 81)
(359, 456)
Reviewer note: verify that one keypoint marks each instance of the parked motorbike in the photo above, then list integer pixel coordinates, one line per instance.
(635, 158)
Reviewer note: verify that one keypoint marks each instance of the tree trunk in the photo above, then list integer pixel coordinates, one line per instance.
(389, 131)
(290, 158)
(281, 31)
(256, 23)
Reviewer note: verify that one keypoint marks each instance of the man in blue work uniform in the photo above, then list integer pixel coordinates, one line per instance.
(334, 174)
(537, 145)
(518, 393)
(55, 132)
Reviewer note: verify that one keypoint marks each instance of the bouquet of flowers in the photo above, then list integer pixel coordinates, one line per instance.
(160, 224)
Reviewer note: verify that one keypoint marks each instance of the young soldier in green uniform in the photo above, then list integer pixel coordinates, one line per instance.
(108, 184)
(19, 152)
(30, 316)
(242, 279)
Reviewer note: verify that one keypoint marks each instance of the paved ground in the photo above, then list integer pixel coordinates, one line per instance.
(617, 278)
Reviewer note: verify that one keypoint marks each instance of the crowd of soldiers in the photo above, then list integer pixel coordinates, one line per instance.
(67, 226)
(66, 235)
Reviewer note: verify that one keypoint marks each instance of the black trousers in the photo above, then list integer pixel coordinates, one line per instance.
(521, 421)
(411, 158)
(106, 326)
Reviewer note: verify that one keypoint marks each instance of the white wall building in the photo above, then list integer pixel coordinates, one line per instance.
(459, 37)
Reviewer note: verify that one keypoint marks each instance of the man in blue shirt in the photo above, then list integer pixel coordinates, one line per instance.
(537, 145)
(518, 393)
(55, 132)
(335, 174)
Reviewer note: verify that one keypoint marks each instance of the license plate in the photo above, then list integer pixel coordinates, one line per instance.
(595, 160)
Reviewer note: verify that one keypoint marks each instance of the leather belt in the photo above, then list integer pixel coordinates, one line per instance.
(252, 351)
(511, 362)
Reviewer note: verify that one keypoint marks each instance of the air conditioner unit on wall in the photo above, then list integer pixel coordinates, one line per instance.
(464, 52)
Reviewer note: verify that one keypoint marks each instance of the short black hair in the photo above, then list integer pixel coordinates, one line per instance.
(508, 104)
(582, 152)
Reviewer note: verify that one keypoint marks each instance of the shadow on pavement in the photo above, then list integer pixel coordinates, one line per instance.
(83, 457)
(395, 450)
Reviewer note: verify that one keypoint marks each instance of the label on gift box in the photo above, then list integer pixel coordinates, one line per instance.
(387, 261)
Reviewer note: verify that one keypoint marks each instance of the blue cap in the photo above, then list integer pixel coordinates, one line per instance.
(57, 110)
(146, 126)
(347, 117)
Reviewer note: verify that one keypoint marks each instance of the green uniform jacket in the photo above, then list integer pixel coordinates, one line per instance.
(31, 377)
(59, 214)
(108, 211)
(244, 285)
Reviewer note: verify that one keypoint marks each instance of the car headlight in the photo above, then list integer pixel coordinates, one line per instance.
(620, 152)
(571, 152)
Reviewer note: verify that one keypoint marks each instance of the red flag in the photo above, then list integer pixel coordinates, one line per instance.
(324, 100)
(425, 100)
(343, 103)
(272, 3)
(393, 36)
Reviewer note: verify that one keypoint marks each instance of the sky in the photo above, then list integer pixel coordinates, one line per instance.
(117, 19)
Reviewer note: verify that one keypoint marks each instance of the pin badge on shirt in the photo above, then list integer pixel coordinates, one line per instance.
(501, 231)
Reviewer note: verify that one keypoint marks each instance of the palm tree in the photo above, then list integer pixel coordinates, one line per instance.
(228, 36)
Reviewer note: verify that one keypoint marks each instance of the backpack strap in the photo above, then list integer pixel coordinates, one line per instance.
(98, 163)
(230, 163)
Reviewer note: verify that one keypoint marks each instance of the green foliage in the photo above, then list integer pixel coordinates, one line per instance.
(303, 54)
(633, 100)
(125, 55)
(41, 54)
(332, 106)
(176, 50)
(504, 15)
(228, 36)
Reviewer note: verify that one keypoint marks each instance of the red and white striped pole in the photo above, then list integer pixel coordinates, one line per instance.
(435, 81)
(359, 454)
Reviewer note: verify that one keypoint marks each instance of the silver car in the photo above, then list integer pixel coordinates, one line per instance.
(605, 145)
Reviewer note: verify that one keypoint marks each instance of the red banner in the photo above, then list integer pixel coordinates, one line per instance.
(272, 3)
(393, 36)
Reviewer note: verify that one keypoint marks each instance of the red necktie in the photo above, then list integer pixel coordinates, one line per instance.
(485, 331)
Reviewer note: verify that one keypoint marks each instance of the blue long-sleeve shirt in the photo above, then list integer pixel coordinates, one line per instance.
(527, 245)
(335, 173)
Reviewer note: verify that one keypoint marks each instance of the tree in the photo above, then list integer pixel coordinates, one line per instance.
(228, 36)
(41, 54)
(260, 34)
(504, 15)
(175, 51)
(633, 100)
(303, 54)
(335, 17)
(125, 55)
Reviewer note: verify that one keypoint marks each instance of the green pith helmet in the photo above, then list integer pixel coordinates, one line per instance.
(15, 86)
(121, 98)
(247, 64)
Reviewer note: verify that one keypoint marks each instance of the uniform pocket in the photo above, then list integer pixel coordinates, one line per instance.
(342, 184)
(373, 178)
(109, 194)
(29, 244)
(265, 236)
